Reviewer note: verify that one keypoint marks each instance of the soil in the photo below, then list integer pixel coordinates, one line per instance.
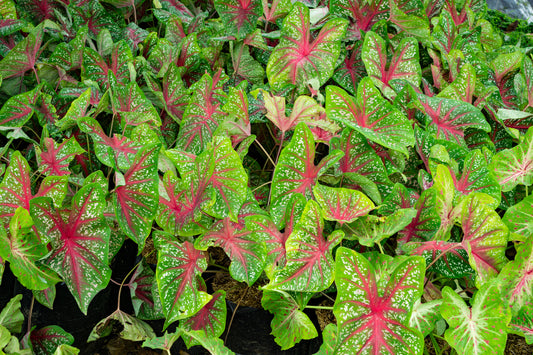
(238, 292)
(325, 316)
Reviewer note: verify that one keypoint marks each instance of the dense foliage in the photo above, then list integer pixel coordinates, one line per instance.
(378, 152)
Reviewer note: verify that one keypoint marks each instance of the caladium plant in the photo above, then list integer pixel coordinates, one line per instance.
(369, 158)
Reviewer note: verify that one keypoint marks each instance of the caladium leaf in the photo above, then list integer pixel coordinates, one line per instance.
(79, 239)
(309, 265)
(131, 328)
(372, 229)
(296, 172)
(211, 319)
(359, 158)
(290, 324)
(480, 329)
(527, 72)
(403, 65)
(364, 14)
(116, 152)
(514, 280)
(515, 166)
(425, 316)
(352, 70)
(136, 198)
(24, 55)
(78, 109)
(179, 266)
(426, 222)
(15, 190)
(485, 238)
(130, 103)
(372, 317)
(244, 65)
(329, 340)
(203, 114)
(239, 16)
(54, 159)
(447, 258)
(298, 57)
(522, 324)
(97, 68)
(45, 340)
(448, 119)
(371, 115)
(144, 293)
(342, 205)
(519, 217)
(245, 250)
(172, 92)
(18, 109)
(11, 316)
(23, 249)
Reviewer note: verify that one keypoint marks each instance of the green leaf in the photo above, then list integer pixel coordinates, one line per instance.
(329, 340)
(54, 158)
(296, 172)
(23, 249)
(296, 60)
(309, 255)
(403, 65)
(239, 16)
(290, 324)
(11, 317)
(372, 316)
(479, 329)
(371, 229)
(515, 166)
(485, 238)
(342, 205)
(179, 267)
(24, 55)
(136, 201)
(425, 316)
(132, 328)
(163, 342)
(78, 109)
(46, 340)
(18, 109)
(519, 218)
(65, 349)
(371, 115)
(79, 239)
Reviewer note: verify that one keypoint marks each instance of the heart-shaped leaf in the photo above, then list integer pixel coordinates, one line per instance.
(371, 115)
(179, 267)
(45, 340)
(54, 159)
(374, 318)
(479, 329)
(290, 324)
(515, 166)
(296, 172)
(309, 261)
(240, 16)
(80, 238)
(18, 109)
(24, 55)
(136, 198)
(298, 58)
(519, 218)
(403, 65)
(342, 205)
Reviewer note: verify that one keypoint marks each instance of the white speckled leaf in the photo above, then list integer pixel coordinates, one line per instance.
(44, 341)
(374, 319)
(425, 315)
(96, 68)
(403, 65)
(22, 248)
(54, 159)
(15, 190)
(298, 58)
(342, 205)
(203, 113)
(290, 324)
(18, 109)
(310, 262)
(132, 328)
(116, 152)
(480, 329)
(485, 238)
(371, 115)
(179, 267)
(79, 240)
(514, 166)
(136, 201)
(296, 172)
(239, 16)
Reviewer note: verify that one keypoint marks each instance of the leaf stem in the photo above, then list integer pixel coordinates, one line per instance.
(320, 307)
(380, 248)
(266, 153)
(129, 273)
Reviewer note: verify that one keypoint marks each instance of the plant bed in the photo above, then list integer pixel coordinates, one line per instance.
(246, 176)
